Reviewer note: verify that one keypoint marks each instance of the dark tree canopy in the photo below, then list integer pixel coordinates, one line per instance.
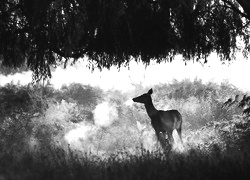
(111, 32)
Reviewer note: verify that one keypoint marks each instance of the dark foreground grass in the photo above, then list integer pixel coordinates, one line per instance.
(193, 164)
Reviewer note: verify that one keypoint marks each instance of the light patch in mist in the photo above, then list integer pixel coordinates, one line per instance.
(76, 136)
(127, 79)
(18, 78)
(112, 78)
(105, 114)
(129, 102)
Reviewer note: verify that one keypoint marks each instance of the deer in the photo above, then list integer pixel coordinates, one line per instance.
(162, 121)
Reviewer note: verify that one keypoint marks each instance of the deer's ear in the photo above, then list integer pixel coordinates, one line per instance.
(150, 91)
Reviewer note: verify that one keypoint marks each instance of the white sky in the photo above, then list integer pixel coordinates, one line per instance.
(237, 73)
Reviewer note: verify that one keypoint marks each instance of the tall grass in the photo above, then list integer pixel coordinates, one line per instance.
(193, 164)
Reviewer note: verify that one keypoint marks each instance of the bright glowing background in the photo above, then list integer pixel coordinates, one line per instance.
(105, 113)
(237, 73)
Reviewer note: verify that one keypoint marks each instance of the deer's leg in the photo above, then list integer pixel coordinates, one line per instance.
(161, 137)
(163, 140)
(158, 139)
(166, 143)
(179, 133)
(170, 137)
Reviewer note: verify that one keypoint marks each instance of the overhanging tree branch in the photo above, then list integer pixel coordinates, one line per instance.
(112, 32)
(245, 4)
(234, 8)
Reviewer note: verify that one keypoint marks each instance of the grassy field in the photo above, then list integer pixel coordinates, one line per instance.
(81, 132)
(193, 164)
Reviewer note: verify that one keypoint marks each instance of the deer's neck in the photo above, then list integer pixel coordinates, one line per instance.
(150, 108)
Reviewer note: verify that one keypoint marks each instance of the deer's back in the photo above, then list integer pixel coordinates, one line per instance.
(167, 120)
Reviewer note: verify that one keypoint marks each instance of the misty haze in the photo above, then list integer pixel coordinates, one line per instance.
(149, 89)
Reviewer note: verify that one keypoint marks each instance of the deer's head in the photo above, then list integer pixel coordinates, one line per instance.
(144, 98)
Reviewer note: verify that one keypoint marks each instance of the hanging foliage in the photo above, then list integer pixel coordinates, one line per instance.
(111, 32)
